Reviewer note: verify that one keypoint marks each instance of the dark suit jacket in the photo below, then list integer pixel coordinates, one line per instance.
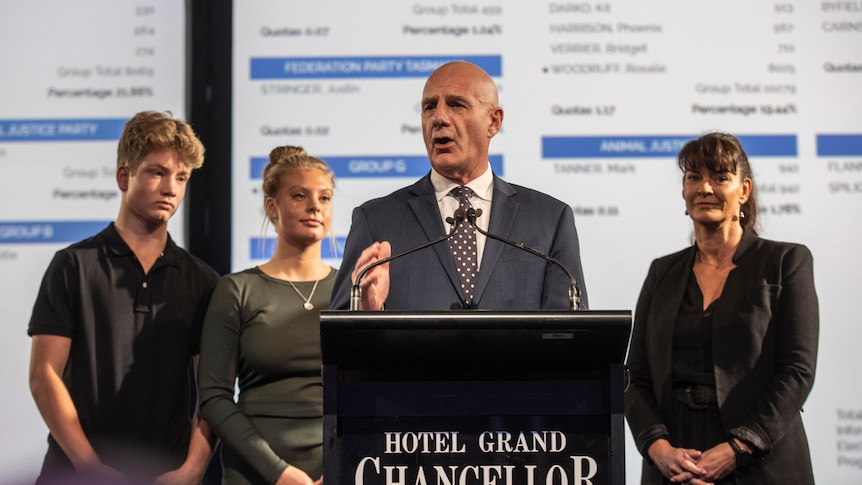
(509, 278)
(764, 340)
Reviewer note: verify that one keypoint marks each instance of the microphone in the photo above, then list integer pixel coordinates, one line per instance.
(574, 290)
(356, 290)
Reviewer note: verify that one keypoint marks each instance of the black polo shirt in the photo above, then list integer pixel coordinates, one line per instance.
(133, 335)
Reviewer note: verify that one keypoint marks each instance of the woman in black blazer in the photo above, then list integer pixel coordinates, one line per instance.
(724, 344)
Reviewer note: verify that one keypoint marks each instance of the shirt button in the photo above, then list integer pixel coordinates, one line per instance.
(144, 284)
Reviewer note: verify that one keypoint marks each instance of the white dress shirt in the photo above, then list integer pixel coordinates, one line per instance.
(483, 188)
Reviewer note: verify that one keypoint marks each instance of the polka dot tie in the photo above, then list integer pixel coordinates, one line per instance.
(463, 245)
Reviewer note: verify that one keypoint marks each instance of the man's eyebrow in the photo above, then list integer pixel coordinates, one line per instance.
(184, 171)
(445, 98)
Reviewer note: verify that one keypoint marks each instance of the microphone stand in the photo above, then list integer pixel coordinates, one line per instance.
(574, 291)
(356, 290)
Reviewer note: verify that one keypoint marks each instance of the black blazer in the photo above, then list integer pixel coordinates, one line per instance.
(509, 278)
(765, 333)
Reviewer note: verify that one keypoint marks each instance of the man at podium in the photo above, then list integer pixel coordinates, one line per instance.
(460, 115)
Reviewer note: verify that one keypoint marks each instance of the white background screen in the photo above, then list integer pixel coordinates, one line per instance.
(598, 98)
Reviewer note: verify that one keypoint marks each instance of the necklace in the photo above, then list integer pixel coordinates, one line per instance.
(699, 259)
(307, 305)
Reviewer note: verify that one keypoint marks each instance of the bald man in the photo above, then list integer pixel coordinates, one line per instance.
(460, 115)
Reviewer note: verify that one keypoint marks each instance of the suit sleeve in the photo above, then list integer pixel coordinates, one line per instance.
(642, 409)
(796, 323)
(358, 238)
(565, 248)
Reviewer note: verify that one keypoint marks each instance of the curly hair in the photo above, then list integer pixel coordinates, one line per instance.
(149, 131)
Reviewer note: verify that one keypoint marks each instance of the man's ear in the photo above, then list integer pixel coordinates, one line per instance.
(496, 121)
(123, 174)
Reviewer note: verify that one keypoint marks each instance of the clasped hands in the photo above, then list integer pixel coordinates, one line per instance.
(684, 465)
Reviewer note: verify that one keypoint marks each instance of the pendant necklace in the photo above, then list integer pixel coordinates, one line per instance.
(307, 301)
(307, 305)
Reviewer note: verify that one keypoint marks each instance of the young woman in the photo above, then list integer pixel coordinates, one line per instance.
(262, 328)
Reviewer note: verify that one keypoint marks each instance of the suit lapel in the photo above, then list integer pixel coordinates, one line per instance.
(504, 209)
(670, 293)
(427, 213)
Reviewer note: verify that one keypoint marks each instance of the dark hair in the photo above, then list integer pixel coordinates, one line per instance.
(286, 158)
(149, 131)
(722, 152)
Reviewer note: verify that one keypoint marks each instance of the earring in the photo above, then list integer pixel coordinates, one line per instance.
(686, 212)
(741, 215)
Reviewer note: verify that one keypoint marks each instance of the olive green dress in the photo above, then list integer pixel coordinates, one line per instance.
(259, 340)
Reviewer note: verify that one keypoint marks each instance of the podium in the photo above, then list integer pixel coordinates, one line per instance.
(474, 397)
